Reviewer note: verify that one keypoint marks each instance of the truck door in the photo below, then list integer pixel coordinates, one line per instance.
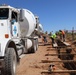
(14, 23)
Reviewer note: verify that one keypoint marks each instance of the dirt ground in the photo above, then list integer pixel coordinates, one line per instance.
(31, 64)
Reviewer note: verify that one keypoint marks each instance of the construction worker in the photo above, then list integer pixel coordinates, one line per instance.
(44, 39)
(53, 36)
(62, 35)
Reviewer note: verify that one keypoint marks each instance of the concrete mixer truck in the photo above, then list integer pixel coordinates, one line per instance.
(18, 28)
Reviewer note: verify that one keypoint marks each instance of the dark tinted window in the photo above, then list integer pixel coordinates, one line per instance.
(14, 15)
(4, 12)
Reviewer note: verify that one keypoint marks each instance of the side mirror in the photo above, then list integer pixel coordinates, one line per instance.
(22, 15)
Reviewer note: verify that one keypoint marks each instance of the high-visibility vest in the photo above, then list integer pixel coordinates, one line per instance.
(53, 36)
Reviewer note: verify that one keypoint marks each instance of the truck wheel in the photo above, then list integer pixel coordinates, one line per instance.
(36, 44)
(10, 62)
(34, 47)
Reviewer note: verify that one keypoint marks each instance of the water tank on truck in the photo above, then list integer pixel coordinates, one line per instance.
(28, 24)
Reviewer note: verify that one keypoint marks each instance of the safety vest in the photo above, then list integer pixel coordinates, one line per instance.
(53, 36)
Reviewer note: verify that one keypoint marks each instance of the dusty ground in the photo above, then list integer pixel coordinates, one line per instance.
(31, 63)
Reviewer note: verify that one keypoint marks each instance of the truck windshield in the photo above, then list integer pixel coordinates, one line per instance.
(4, 12)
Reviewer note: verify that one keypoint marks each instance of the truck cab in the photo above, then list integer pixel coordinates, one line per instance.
(9, 32)
(9, 17)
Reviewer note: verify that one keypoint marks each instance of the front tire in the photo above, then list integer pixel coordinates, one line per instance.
(10, 62)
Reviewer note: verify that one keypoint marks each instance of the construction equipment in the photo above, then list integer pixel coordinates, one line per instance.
(18, 35)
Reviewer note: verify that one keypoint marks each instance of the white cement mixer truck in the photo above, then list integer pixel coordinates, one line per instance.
(18, 28)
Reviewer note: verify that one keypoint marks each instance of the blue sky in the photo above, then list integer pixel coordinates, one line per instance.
(54, 14)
